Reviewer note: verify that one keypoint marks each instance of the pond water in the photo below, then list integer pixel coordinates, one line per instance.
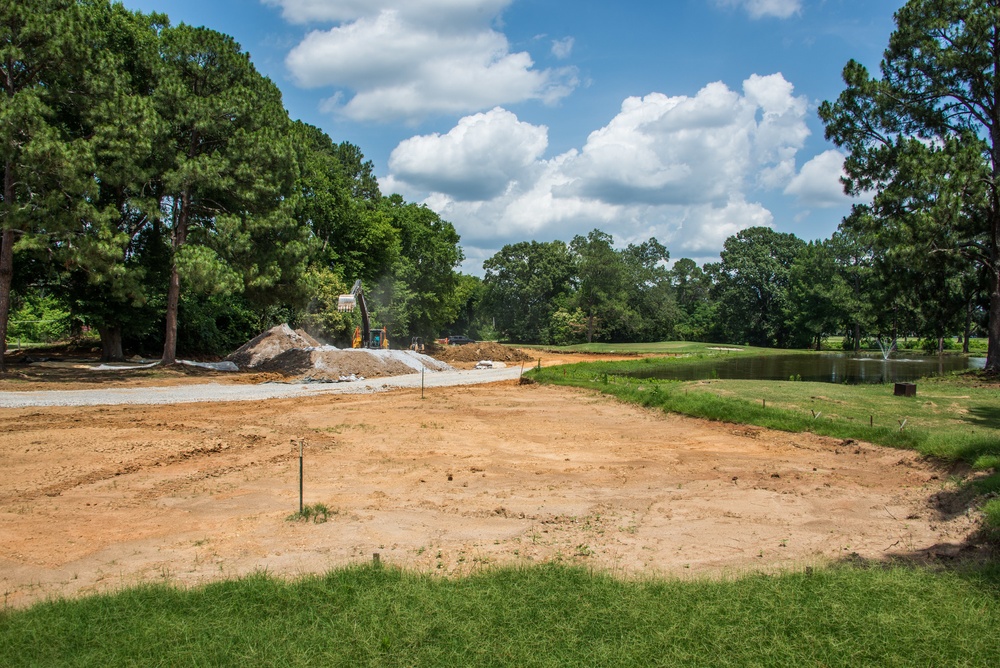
(823, 368)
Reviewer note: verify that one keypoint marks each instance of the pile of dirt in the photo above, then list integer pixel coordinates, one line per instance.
(331, 364)
(272, 343)
(483, 350)
(288, 353)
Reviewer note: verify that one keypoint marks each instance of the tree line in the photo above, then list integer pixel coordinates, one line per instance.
(156, 190)
(768, 289)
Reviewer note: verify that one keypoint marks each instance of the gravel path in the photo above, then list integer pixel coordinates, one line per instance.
(214, 392)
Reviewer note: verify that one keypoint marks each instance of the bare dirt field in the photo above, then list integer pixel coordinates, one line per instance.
(95, 498)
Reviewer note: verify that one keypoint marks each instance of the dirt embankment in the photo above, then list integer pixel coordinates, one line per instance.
(476, 352)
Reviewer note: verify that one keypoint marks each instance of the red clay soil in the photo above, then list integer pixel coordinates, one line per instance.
(93, 499)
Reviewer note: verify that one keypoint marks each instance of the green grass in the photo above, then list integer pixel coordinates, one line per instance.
(542, 616)
(953, 417)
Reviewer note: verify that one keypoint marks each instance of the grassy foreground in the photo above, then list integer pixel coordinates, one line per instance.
(542, 616)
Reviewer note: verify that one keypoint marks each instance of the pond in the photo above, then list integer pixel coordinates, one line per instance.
(823, 368)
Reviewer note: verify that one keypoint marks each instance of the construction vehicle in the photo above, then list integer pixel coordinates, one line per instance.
(417, 344)
(365, 336)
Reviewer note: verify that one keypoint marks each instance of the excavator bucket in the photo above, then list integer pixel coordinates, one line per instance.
(346, 302)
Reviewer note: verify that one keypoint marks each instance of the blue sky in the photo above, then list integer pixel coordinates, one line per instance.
(686, 120)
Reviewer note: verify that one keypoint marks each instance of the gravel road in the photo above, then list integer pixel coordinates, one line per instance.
(214, 392)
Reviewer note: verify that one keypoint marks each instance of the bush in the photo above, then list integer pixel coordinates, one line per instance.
(41, 318)
(930, 345)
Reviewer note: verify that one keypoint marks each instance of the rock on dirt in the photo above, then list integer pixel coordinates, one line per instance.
(475, 352)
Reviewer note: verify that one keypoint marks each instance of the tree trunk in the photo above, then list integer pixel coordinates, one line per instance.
(940, 345)
(111, 344)
(968, 327)
(174, 288)
(6, 276)
(993, 324)
(857, 337)
(590, 328)
(6, 261)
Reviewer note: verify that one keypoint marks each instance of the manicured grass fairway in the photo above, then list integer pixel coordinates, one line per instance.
(955, 418)
(542, 616)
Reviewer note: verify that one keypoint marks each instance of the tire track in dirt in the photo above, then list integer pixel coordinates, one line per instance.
(108, 473)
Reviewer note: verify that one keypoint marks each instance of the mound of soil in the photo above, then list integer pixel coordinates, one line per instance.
(484, 350)
(328, 363)
(309, 339)
(272, 343)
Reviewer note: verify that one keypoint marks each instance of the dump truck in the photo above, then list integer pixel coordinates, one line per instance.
(365, 336)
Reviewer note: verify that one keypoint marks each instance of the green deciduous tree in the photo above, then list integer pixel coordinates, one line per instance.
(925, 137)
(752, 286)
(818, 295)
(602, 281)
(420, 293)
(525, 283)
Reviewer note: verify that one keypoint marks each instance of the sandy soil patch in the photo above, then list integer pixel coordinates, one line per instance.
(97, 498)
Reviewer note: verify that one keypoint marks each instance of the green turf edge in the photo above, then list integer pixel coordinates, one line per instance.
(539, 616)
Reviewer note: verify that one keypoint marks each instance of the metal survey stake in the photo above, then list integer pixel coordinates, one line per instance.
(301, 442)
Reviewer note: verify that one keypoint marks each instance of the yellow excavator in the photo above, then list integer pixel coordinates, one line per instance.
(365, 336)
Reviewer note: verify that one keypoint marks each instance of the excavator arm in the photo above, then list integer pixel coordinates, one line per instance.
(347, 302)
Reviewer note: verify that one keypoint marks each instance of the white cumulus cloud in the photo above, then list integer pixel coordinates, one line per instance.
(477, 160)
(818, 182)
(781, 9)
(685, 169)
(434, 12)
(391, 60)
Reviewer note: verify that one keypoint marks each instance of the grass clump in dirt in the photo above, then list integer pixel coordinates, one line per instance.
(540, 616)
(316, 513)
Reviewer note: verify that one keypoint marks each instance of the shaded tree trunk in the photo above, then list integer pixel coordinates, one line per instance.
(993, 324)
(174, 288)
(968, 327)
(6, 264)
(111, 344)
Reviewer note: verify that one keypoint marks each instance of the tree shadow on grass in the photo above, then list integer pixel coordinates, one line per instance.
(977, 560)
(987, 417)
